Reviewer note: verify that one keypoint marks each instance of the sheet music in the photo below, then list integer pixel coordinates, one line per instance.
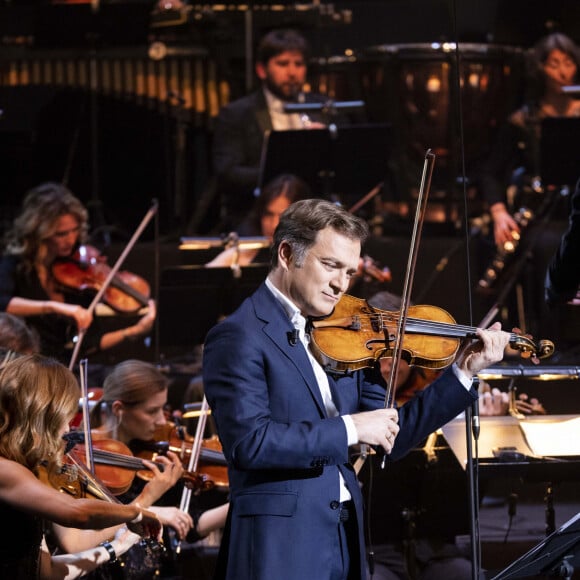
(552, 438)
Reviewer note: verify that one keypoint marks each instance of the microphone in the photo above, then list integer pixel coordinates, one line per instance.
(475, 427)
(294, 337)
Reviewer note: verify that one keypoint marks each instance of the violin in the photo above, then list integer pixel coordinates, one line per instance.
(87, 269)
(116, 466)
(171, 437)
(356, 335)
(74, 479)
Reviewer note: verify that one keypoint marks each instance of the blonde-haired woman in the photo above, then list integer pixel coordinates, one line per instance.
(38, 398)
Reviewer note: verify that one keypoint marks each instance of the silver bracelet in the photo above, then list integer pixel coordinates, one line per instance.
(111, 551)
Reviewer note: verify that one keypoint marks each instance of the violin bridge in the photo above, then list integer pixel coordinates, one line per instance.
(355, 323)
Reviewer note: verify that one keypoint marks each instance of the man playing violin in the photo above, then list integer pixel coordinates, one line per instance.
(51, 225)
(286, 424)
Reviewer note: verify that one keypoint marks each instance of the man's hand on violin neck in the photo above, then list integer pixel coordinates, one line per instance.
(487, 350)
(379, 427)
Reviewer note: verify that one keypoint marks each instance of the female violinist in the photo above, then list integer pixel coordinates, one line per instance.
(274, 198)
(38, 398)
(131, 410)
(51, 225)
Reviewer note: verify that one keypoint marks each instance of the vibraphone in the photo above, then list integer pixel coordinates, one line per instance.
(172, 80)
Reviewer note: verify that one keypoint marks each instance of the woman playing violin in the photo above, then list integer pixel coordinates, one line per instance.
(274, 198)
(51, 225)
(15, 337)
(38, 398)
(132, 410)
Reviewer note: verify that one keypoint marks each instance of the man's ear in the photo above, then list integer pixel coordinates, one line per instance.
(285, 255)
(261, 71)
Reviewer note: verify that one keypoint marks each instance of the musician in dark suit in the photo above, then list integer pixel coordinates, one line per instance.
(286, 423)
(563, 277)
(240, 127)
(513, 164)
(562, 285)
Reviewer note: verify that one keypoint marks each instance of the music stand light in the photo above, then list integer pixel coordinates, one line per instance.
(193, 410)
(242, 243)
(571, 90)
(554, 557)
(540, 373)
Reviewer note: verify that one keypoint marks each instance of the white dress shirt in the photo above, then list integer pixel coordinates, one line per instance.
(299, 322)
(281, 121)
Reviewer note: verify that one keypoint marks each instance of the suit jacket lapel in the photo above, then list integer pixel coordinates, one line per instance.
(262, 113)
(277, 328)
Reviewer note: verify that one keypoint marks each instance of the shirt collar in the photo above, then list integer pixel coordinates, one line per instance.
(273, 102)
(293, 312)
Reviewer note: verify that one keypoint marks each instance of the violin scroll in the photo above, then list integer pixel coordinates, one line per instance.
(524, 343)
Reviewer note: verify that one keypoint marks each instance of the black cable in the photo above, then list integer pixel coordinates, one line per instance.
(512, 510)
(471, 432)
(371, 552)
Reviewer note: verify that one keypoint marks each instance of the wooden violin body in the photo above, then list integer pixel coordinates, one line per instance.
(356, 335)
(170, 437)
(116, 466)
(88, 270)
(75, 479)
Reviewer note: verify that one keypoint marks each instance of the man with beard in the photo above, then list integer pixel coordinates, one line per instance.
(239, 132)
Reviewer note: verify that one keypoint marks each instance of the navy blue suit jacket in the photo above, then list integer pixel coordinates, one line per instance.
(283, 451)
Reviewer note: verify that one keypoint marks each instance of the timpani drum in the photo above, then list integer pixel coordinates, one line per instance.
(431, 92)
(337, 77)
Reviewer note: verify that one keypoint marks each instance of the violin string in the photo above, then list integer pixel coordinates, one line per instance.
(437, 326)
(118, 459)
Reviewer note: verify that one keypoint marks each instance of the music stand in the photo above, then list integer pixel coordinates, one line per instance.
(192, 299)
(499, 436)
(346, 162)
(555, 556)
(560, 151)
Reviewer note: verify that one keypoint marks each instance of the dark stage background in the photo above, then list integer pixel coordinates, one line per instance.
(120, 102)
(146, 130)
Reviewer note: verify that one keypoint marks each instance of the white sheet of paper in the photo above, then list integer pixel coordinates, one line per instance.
(553, 438)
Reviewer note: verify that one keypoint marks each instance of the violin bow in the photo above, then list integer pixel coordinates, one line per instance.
(428, 165)
(144, 222)
(194, 459)
(89, 459)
